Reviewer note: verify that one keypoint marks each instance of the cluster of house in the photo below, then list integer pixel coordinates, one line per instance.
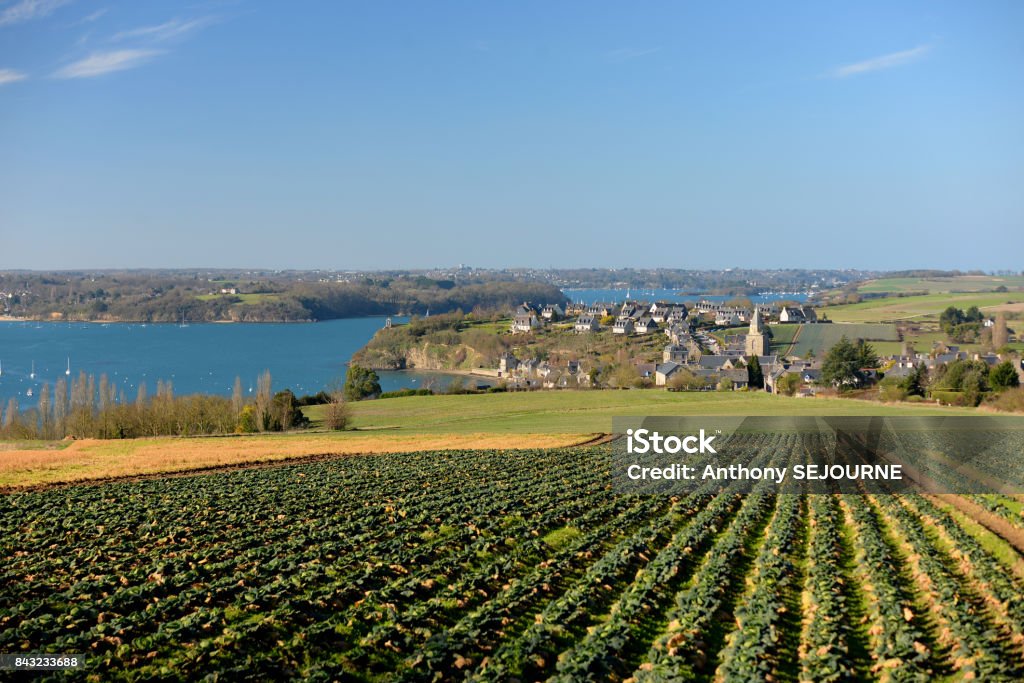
(686, 349)
(636, 317)
(729, 364)
(631, 317)
(902, 365)
(731, 316)
(697, 358)
(535, 374)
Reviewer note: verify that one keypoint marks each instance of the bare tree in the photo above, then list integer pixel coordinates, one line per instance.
(264, 401)
(106, 393)
(237, 397)
(11, 416)
(1000, 337)
(60, 408)
(336, 413)
(43, 410)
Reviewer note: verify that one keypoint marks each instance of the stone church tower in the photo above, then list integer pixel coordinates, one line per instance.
(757, 341)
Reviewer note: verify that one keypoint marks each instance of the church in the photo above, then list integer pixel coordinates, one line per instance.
(757, 338)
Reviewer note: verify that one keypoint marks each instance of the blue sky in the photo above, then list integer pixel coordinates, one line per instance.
(416, 134)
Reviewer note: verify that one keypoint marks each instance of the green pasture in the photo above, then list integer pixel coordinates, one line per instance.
(589, 411)
(821, 337)
(965, 283)
(925, 306)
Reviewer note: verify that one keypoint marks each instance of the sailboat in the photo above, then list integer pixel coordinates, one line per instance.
(1, 368)
(183, 323)
(68, 371)
(32, 375)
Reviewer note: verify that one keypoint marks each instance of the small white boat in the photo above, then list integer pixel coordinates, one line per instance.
(32, 375)
(29, 392)
(68, 371)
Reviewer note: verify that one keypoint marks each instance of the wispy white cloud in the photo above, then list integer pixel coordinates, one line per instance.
(11, 76)
(169, 30)
(99, 63)
(625, 54)
(879, 63)
(27, 10)
(89, 18)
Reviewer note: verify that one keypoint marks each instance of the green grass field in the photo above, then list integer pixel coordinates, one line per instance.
(820, 338)
(783, 333)
(926, 306)
(966, 283)
(589, 411)
(493, 326)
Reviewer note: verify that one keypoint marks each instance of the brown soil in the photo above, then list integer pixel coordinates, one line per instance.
(991, 521)
(96, 461)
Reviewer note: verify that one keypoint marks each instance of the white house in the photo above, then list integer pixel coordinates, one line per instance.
(586, 323)
(623, 325)
(552, 312)
(646, 325)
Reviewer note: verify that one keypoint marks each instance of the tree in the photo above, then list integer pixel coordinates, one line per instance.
(684, 380)
(237, 397)
(456, 386)
(842, 364)
(43, 409)
(247, 420)
(950, 318)
(974, 385)
(60, 408)
(790, 383)
(361, 383)
(1003, 376)
(953, 376)
(262, 411)
(891, 389)
(866, 356)
(916, 381)
(755, 375)
(725, 384)
(11, 416)
(1000, 337)
(287, 413)
(625, 375)
(336, 412)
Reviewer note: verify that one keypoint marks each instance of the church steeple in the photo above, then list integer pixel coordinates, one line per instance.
(756, 324)
(757, 343)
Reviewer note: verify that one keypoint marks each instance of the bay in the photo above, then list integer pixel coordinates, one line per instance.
(196, 358)
(206, 358)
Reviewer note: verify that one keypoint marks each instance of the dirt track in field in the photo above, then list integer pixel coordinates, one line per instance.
(991, 521)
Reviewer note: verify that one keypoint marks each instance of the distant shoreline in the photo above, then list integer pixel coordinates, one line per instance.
(12, 319)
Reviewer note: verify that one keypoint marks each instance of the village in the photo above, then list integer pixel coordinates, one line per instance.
(705, 349)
